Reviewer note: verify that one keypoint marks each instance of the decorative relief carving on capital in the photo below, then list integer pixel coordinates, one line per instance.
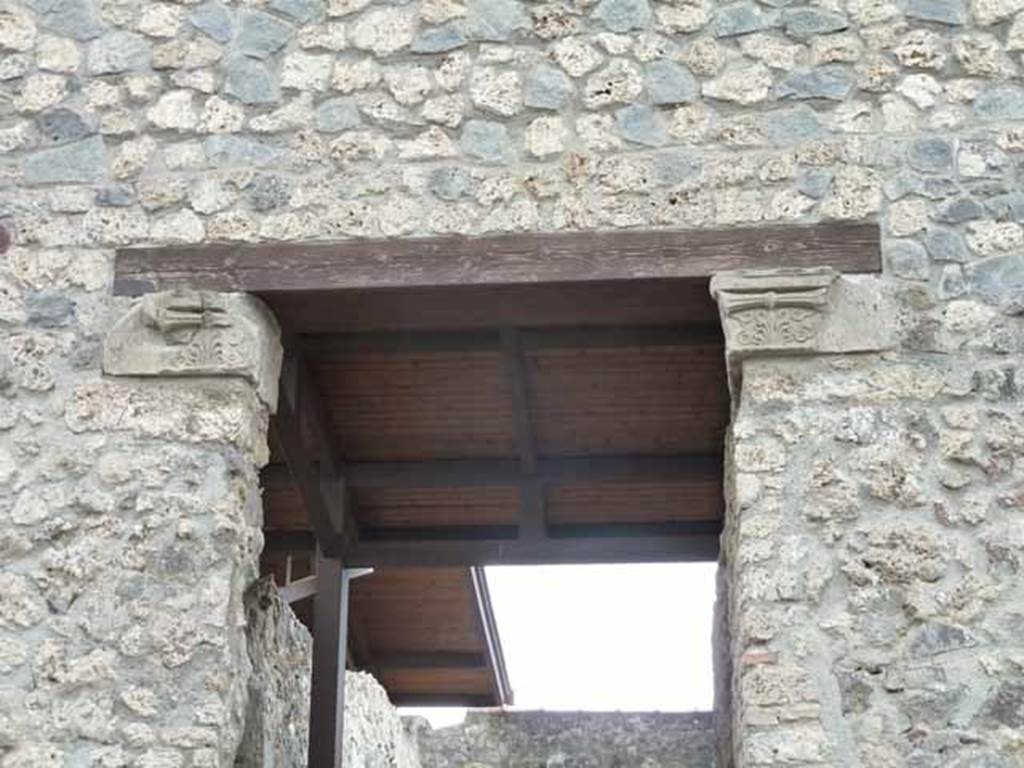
(776, 310)
(197, 333)
(790, 311)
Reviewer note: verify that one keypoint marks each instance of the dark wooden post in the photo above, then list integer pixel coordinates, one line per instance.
(330, 641)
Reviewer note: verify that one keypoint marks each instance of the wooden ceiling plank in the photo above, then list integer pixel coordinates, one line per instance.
(499, 259)
(505, 473)
(430, 660)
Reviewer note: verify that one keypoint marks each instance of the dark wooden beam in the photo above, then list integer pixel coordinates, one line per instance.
(489, 633)
(500, 259)
(699, 545)
(326, 345)
(301, 428)
(515, 373)
(330, 643)
(532, 497)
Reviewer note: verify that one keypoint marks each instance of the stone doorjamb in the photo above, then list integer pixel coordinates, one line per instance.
(773, 315)
(198, 371)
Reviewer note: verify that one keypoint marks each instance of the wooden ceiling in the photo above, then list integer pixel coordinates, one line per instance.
(528, 442)
(449, 403)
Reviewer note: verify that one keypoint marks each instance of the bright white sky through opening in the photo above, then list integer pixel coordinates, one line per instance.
(603, 637)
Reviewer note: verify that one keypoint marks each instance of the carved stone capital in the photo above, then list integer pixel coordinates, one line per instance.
(198, 333)
(779, 312)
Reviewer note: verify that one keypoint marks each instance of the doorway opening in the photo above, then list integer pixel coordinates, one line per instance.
(512, 425)
(449, 404)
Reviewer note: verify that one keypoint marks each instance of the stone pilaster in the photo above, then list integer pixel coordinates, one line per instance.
(772, 694)
(872, 528)
(125, 571)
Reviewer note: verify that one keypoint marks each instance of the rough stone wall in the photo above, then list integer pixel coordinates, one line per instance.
(876, 547)
(492, 739)
(281, 651)
(277, 720)
(129, 531)
(130, 121)
(374, 734)
(127, 121)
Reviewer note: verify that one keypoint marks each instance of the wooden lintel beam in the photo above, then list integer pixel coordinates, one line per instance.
(489, 633)
(498, 259)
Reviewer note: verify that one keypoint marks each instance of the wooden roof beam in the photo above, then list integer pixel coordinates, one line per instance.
(302, 433)
(532, 498)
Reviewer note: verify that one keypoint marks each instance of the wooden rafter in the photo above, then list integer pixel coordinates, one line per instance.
(531, 488)
(310, 456)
